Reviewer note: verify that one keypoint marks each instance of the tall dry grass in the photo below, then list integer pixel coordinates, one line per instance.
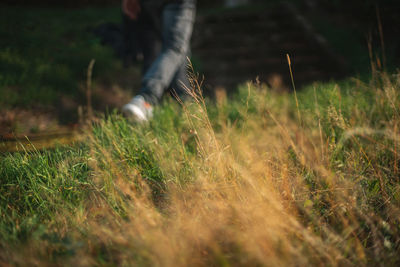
(270, 192)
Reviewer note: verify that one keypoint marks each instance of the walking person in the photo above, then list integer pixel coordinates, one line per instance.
(173, 20)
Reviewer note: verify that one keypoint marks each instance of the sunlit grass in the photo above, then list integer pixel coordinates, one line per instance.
(235, 182)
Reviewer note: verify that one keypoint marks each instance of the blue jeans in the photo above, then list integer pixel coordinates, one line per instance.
(169, 70)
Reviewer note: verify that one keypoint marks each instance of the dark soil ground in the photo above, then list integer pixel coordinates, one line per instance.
(239, 45)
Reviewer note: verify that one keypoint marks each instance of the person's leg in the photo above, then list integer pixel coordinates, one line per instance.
(149, 39)
(151, 48)
(178, 19)
(180, 83)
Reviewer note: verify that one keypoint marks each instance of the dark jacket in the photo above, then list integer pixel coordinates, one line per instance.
(158, 4)
(153, 8)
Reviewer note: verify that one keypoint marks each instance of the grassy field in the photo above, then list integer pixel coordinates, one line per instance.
(252, 180)
(44, 57)
(257, 178)
(45, 53)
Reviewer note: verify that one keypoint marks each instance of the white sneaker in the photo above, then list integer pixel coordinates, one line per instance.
(138, 109)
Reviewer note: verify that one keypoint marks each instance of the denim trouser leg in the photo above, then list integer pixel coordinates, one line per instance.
(176, 30)
(180, 82)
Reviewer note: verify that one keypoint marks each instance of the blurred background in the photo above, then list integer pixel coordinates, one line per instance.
(46, 47)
